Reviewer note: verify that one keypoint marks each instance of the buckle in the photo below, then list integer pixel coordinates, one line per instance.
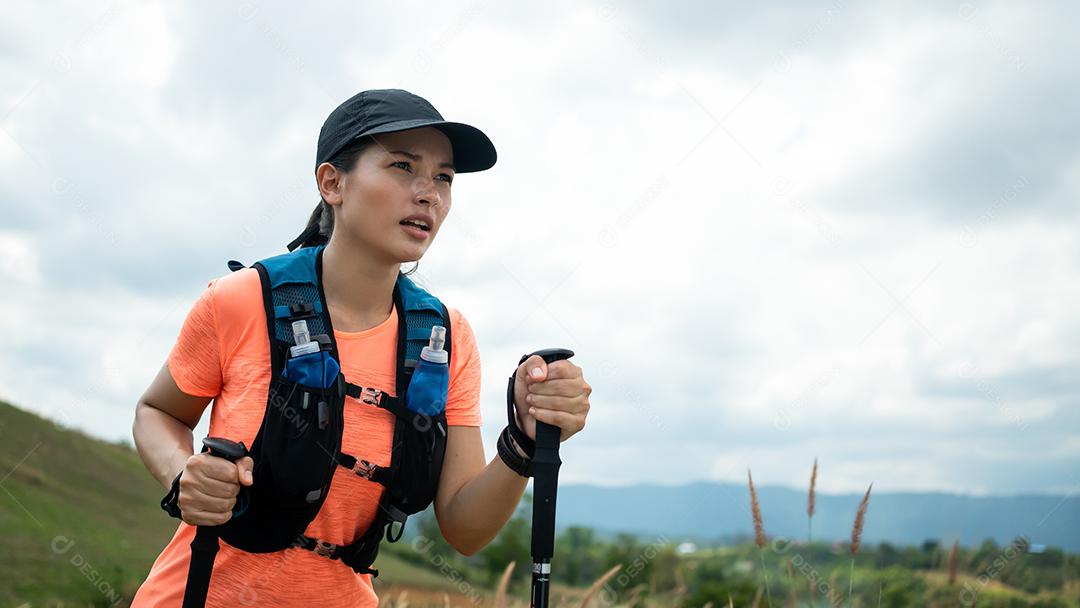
(302, 310)
(324, 548)
(370, 396)
(364, 468)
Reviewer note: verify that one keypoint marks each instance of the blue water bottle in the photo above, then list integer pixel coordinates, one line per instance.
(431, 379)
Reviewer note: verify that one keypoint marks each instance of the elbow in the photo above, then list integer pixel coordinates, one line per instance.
(465, 544)
(468, 550)
(135, 424)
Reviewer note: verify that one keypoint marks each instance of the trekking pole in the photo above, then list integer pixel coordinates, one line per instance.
(205, 546)
(545, 483)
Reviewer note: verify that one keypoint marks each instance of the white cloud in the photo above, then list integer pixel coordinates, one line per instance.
(871, 259)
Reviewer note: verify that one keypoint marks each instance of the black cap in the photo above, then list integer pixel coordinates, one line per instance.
(387, 110)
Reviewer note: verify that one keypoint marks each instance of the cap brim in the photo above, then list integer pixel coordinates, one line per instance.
(473, 151)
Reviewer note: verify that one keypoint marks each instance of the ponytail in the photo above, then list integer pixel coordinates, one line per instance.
(319, 227)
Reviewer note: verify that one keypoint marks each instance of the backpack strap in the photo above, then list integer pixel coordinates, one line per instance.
(292, 290)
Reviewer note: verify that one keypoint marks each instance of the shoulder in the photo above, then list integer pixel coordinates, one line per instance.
(460, 328)
(237, 294)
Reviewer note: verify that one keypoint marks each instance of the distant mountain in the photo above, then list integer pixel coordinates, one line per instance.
(713, 511)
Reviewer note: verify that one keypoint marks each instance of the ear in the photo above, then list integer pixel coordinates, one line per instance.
(329, 180)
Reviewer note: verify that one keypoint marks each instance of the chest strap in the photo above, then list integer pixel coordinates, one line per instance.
(365, 469)
(362, 549)
(378, 398)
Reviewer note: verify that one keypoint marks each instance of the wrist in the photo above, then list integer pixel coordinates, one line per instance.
(517, 448)
(512, 455)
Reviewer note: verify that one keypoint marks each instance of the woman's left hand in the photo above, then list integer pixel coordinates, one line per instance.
(557, 395)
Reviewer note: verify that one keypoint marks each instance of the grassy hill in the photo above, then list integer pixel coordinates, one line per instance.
(79, 517)
(80, 522)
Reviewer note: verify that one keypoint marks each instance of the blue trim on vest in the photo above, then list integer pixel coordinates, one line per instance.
(298, 266)
(294, 267)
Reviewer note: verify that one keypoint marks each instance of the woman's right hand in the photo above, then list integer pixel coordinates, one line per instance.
(209, 486)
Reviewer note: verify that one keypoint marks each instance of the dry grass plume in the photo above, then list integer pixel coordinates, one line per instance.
(600, 582)
(504, 582)
(860, 515)
(952, 561)
(811, 502)
(755, 509)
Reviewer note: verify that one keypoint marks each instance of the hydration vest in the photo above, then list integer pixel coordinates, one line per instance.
(298, 446)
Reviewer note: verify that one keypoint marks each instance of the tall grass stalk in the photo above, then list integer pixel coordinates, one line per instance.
(810, 504)
(856, 537)
(759, 533)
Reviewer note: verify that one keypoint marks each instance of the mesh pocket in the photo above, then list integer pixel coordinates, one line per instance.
(420, 446)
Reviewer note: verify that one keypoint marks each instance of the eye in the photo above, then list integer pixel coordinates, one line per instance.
(401, 162)
(449, 178)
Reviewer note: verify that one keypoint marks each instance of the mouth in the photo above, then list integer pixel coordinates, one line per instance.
(418, 224)
(414, 230)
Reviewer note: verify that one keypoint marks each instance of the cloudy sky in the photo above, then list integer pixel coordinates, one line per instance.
(770, 233)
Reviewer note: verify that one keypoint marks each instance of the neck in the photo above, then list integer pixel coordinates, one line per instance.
(357, 282)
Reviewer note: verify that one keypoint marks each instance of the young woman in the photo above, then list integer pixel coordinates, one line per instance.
(386, 162)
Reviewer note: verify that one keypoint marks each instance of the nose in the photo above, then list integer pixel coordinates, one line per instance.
(427, 192)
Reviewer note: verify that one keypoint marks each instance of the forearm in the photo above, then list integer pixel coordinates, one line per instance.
(163, 442)
(482, 507)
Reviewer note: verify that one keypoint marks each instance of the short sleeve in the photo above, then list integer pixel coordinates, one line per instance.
(195, 359)
(463, 398)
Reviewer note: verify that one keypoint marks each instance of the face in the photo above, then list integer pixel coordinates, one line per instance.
(401, 175)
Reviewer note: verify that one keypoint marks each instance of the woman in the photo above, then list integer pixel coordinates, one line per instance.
(386, 161)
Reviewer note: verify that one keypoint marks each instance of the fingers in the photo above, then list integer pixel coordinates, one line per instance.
(244, 470)
(213, 467)
(569, 387)
(533, 369)
(209, 487)
(199, 509)
(574, 405)
(212, 487)
(568, 423)
(205, 518)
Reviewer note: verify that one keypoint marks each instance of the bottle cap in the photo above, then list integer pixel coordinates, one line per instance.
(304, 349)
(434, 351)
(300, 332)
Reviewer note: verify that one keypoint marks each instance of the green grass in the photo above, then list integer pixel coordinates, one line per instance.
(91, 499)
(95, 502)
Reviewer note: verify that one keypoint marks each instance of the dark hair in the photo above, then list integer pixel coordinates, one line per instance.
(320, 224)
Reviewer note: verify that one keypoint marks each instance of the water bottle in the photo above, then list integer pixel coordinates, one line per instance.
(431, 378)
(304, 345)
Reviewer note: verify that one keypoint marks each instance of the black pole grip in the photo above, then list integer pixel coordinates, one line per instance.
(204, 546)
(224, 448)
(546, 464)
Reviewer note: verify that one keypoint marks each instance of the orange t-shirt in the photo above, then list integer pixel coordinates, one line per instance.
(223, 352)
